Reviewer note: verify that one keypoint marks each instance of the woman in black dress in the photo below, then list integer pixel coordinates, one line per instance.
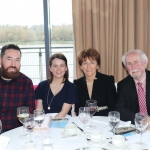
(94, 85)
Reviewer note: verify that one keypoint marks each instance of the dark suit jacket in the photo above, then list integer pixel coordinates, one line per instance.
(104, 92)
(127, 98)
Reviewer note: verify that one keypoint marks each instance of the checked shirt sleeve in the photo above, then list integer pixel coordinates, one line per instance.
(30, 98)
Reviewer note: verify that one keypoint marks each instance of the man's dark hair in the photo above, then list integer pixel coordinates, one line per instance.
(7, 47)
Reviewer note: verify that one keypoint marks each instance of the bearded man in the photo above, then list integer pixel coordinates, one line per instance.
(16, 89)
(134, 91)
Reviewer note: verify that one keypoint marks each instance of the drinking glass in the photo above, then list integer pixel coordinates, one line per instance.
(29, 125)
(114, 119)
(39, 116)
(141, 123)
(0, 127)
(47, 142)
(22, 114)
(84, 115)
(92, 104)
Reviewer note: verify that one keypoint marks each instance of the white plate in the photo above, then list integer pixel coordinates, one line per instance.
(65, 135)
(104, 140)
(109, 145)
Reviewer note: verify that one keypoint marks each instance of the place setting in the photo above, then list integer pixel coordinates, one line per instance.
(70, 130)
(95, 138)
(118, 142)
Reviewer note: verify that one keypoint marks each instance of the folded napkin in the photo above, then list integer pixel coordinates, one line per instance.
(4, 140)
(45, 125)
(104, 120)
(125, 124)
(59, 122)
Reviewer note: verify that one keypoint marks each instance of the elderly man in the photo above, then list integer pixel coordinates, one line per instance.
(134, 90)
(16, 89)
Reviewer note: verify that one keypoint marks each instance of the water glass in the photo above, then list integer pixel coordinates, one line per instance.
(47, 141)
(114, 119)
(39, 116)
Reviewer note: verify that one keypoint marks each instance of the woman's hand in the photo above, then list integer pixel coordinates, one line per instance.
(65, 109)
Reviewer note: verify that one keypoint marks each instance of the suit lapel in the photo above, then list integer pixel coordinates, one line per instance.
(97, 85)
(133, 94)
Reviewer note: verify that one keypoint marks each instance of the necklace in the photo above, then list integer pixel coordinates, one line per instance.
(89, 84)
(49, 104)
(50, 101)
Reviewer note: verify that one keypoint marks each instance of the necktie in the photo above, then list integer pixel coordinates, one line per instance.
(141, 98)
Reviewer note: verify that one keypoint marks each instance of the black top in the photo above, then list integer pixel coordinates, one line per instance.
(68, 94)
(104, 92)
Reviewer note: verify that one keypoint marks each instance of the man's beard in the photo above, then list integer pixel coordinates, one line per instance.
(137, 75)
(9, 75)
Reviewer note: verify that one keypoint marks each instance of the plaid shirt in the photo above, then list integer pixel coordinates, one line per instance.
(13, 94)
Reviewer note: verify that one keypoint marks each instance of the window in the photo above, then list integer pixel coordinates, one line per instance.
(62, 30)
(22, 23)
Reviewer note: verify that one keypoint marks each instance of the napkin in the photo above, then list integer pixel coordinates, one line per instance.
(4, 140)
(125, 124)
(45, 125)
(104, 120)
(59, 122)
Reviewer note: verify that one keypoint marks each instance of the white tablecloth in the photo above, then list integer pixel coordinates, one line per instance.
(70, 143)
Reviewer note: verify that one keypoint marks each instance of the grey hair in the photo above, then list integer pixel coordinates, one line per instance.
(137, 51)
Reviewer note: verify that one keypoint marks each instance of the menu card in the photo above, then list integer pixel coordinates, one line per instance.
(59, 122)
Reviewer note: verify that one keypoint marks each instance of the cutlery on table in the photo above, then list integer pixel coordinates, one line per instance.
(78, 127)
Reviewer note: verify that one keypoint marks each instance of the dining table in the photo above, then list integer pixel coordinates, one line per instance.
(79, 141)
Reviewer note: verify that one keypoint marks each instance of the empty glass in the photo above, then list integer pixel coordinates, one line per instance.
(141, 123)
(47, 142)
(84, 115)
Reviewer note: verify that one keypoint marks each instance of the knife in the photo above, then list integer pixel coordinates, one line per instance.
(78, 127)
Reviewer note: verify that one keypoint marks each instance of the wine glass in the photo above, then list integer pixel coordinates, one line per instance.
(0, 127)
(141, 123)
(114, 119)
(92, 104)
(39, 116)
(22, 114)
(84, 115)
(29, 125)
